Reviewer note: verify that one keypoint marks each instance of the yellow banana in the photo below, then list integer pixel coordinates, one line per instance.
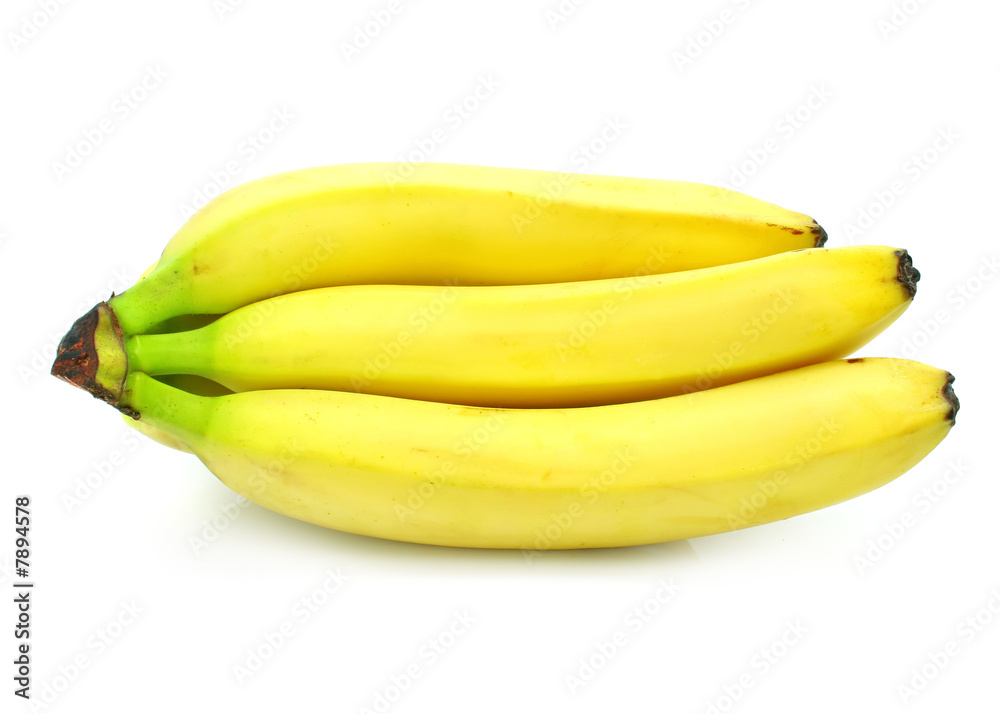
(447, 224)
(564, 344)
(643, 472)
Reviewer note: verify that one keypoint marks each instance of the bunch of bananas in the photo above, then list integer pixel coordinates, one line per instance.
(500, 358)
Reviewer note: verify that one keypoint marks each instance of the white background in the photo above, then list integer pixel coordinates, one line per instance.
(885, 86)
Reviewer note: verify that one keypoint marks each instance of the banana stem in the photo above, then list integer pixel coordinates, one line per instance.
(157, 297)
(174, 353)
(180, 414)
(92, 356)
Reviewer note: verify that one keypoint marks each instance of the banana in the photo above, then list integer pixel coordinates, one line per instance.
(367, 224)
(569, 344)
(626, 474)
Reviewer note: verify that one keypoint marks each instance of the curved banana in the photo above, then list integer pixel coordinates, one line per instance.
(447, 224)
(556, 345)
(644, 472)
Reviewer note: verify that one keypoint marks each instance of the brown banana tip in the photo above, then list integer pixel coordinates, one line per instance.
(949, 396)
(906, 273)
(820, 233)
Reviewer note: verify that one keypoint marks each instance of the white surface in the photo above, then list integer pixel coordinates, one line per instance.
(876, 102)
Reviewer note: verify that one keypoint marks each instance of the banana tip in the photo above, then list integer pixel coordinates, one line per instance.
(949, 395)
(906, 273)
(819, 233)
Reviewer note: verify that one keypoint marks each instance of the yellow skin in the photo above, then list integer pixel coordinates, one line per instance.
(563, 344)
(643, 472)
(447, 224)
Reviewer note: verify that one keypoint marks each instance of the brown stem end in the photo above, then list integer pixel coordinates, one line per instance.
(92, 356)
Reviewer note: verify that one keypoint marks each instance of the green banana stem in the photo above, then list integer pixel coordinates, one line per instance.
(92, 356)
(180, 414)
(155, 298)
(173, 353)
